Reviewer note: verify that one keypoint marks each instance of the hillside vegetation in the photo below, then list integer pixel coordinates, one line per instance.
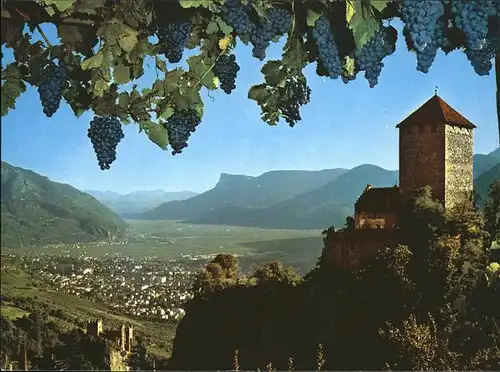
(429, 303)
(36, 210)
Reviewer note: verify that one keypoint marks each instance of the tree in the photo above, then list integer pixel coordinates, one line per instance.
(492, 211)
(106, 43)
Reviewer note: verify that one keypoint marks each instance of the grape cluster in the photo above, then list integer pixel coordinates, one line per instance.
(175, 36)
(54, 81)
(235, 14)
(472, 18)
(327, 48)
(226, 70)
(426, 57)
(179, 128)
(296, 93)
(421, 17)
(369, 58)
(277, 23)
(481, 59)
(105, 133)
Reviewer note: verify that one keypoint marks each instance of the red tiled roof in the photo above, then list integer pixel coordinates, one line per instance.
(378, 199)
(437, 111)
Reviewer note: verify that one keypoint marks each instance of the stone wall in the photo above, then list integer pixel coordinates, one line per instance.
(459, 180)
(421, 158)
(375, 220)
(354, 248)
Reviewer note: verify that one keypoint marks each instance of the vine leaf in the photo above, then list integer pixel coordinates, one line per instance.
(60, 5)
(12, 88)
(156, 133)
(223, 26)
(274, 73)
(259, 93)
(225, 42)
(199, 67)
(88, 6)
(212, 28)
(363, 28)
(379, 4)
(195, 3)
(312, 17)
(121, 74)
(186, 99)
(95, 61)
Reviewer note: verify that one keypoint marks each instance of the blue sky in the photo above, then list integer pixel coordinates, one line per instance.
(343, 126)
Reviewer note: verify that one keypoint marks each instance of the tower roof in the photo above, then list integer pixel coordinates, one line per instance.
(437, 111)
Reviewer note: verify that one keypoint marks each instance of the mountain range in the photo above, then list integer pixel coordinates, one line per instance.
(295, 199)
(138, 201)
(35, 210)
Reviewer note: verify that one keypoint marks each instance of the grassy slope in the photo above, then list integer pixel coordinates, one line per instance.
(18, 283)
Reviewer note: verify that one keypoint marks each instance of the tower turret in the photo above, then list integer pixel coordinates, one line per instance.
(436, 149)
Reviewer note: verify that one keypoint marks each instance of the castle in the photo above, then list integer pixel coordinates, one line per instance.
(123, 337)
(436, 150)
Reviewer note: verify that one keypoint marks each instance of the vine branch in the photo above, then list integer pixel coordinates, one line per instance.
(44, 36)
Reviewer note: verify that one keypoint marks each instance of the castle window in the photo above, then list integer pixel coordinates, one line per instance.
(408, 129)
(434, 128)
(421, 129)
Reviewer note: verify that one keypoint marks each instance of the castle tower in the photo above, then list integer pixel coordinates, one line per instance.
(436, 149)
(94, 328)
(129, 335)
(23, 360)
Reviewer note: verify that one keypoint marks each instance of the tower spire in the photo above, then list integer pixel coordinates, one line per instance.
(436, 91)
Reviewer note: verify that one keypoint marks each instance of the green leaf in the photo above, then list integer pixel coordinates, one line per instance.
(127, 43)
(12, 88)
(88, 6)
(312, 17)
(195, 3)
(274, 72)
(95, 61)
(379, 4)
(121, 74)
(186, 99)
(223, 26)
(168, 112)
(99, 87)
(199, 66)
(212, 28)
(172, 79)
(158, 135)
(362, 28)
(123, 100)
(259, 93)
(60, 5)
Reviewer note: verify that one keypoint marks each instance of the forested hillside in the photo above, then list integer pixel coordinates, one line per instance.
(36, 210)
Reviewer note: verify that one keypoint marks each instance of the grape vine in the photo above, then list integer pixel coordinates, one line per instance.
(226, 69)
(54, 81)
(327, 49)
(174, 37)
(179, 127)
(105, 133)
(296, 93)
(102, 50)
(369, 58)
(277, 23)
(421, 17)
(472, 18)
